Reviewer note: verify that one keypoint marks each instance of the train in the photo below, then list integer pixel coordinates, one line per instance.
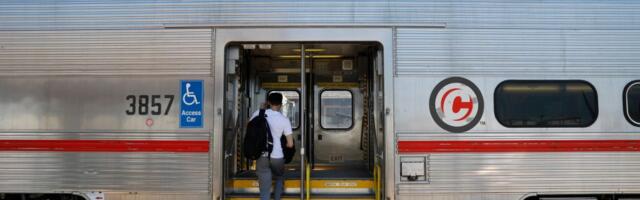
(407, 99)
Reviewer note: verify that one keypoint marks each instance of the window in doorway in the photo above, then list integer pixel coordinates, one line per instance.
(336, 109)
(290, 106)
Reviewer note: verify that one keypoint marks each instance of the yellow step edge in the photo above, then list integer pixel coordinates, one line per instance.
(314, 184)
(254, 198)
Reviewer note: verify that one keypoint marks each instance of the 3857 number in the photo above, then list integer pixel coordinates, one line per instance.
(145, 104)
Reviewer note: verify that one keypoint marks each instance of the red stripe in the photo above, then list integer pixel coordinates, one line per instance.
(105, 146)
(498, 146)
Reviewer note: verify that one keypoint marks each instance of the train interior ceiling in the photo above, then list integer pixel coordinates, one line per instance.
(341, 82)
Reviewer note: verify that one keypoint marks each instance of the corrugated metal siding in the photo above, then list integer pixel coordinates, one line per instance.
(121, 172)
(106, 52)
(517, 51)
(123, 14)
(54, 117)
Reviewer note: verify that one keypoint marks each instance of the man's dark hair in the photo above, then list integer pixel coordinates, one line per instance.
(275, 99)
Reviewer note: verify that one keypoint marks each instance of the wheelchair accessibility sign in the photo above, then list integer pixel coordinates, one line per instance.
(191, 102)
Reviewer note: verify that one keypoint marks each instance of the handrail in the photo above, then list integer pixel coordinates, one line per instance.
(303, 119)
(308, 182)
(376, 179)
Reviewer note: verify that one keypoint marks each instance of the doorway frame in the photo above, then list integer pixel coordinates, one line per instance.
(223, 36)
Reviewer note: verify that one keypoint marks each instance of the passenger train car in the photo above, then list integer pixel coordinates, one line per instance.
(438, 99)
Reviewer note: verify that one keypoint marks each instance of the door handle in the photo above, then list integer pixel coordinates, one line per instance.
(319, 137)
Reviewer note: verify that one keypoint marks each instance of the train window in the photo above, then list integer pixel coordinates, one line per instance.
(632, 102)
(520, 103)
(290, 106)
(336, 109)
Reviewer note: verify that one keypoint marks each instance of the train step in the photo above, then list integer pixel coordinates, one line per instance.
(297, 197)
(317, 187)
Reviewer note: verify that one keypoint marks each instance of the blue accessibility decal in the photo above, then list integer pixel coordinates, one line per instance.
(191, 103)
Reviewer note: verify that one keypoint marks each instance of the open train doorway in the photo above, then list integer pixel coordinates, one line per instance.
(333, 98)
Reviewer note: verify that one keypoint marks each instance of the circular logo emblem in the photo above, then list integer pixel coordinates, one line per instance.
(456, 104)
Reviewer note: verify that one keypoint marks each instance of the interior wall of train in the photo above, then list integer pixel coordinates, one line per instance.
(338, 124)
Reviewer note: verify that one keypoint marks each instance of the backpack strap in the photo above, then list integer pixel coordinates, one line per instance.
(262, 114)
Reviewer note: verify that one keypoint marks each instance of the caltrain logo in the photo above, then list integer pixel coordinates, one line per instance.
(456, 104)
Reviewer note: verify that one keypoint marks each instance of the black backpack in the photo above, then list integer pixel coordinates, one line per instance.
(258, 137)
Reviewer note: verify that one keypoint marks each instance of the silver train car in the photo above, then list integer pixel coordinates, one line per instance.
(438, 99)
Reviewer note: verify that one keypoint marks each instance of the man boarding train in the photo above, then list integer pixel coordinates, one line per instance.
(271, 164)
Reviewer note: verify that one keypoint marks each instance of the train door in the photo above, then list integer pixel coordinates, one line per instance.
(328, 91)
(340, 137)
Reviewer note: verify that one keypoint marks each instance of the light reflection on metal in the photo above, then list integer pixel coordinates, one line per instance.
(309, 50)
(313, 56)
